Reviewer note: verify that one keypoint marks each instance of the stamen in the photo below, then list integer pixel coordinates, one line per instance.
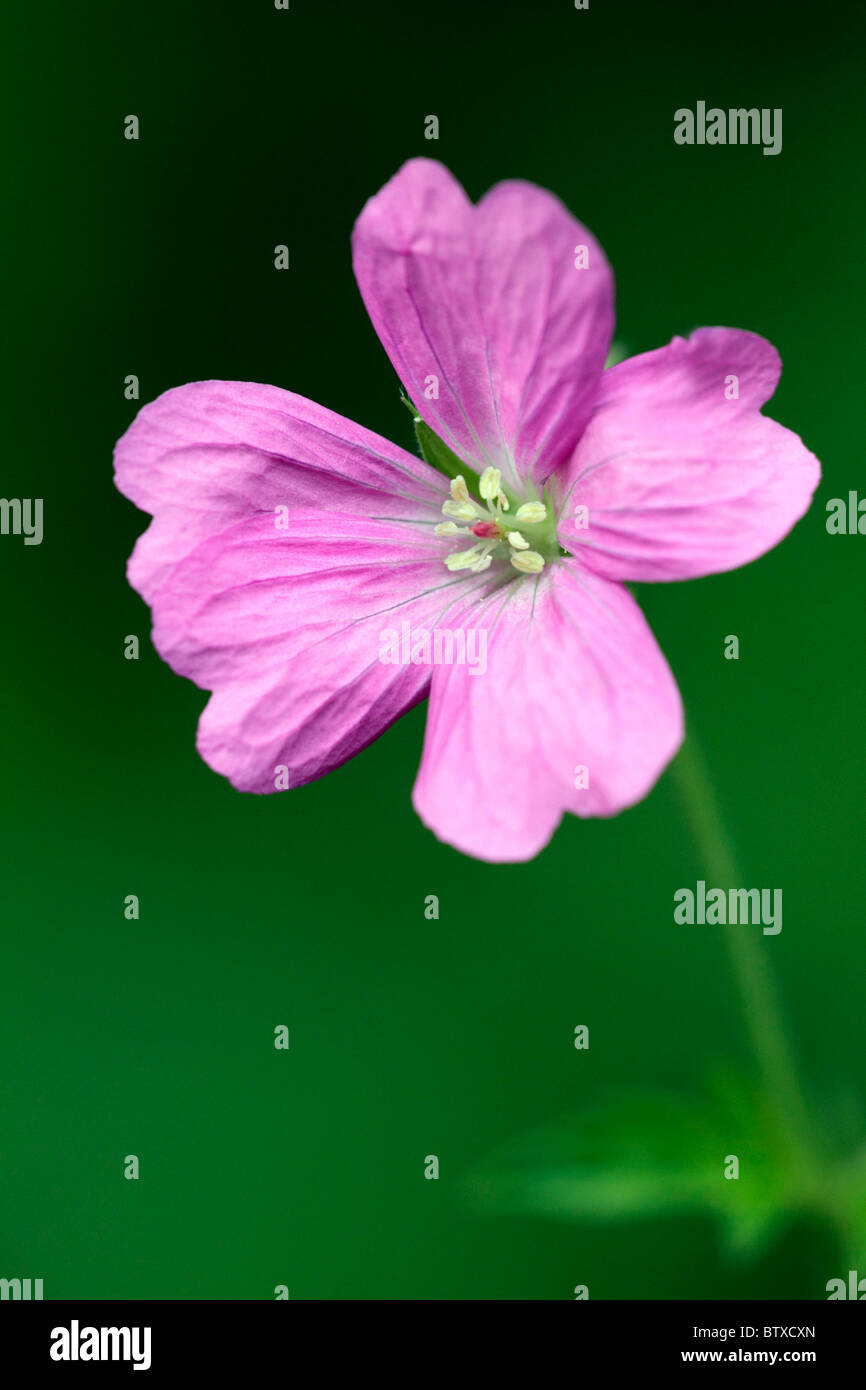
(527, 561)
(490, 484)
(463, 559)
(461, 511)
(490, 528)
(531, 513)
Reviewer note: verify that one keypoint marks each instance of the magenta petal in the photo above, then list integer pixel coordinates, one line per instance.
(201, 457)
(288, 630)
(574, 680)
(485, 305)
(681, 476)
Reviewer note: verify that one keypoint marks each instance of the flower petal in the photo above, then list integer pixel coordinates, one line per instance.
(574, 679)
(679, 476)
(299, 635)
(201, 457)
(486, 305)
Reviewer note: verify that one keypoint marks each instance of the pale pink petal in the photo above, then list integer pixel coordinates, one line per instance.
(485, 304)
(201, 457)
(574, 679)
(679, 475)
(289, 630)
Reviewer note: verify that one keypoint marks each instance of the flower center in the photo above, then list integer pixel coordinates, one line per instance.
(526, 537)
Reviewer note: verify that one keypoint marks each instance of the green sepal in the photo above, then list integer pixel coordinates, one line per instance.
(437, 454)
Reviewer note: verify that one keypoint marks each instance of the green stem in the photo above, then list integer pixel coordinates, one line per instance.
(749, 961)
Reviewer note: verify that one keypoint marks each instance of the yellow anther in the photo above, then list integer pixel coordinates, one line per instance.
(531, 513)
(528, 562)
(462, 559)
(461, 511)
(490, 484)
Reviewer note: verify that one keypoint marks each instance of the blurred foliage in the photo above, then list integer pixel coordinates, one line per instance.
(645, 1154)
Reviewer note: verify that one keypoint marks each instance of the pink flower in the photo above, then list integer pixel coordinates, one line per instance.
(285, 539)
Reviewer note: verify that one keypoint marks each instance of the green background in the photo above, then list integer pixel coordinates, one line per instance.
(408, 1037)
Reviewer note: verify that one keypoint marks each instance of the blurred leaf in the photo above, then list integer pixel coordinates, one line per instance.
(845, 1196)
(647, 1154)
